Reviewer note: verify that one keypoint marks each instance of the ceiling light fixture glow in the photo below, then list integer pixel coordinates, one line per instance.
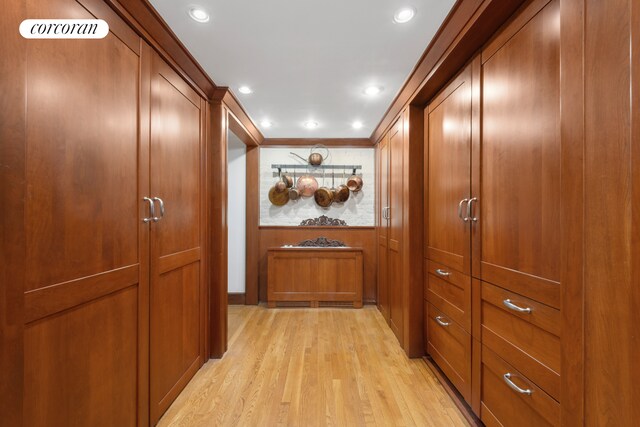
(310, 124)
(372, 90)
(245, 89)
(198, 15)
(357, 124)
(266, 124)
(404, 15)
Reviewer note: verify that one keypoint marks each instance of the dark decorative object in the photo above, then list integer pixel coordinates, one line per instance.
(321, 242)
(323, 221)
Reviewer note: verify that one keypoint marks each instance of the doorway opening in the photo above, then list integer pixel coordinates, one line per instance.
(237, 230)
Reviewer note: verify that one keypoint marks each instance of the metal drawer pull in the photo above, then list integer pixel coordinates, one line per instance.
(462, 202)
(443, 273)
(507, 379)
(470, 210)
(152, 210)
(159, 200)
(441, 322)
(507, 303)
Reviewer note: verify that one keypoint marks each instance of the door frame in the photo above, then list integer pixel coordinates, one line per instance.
(224, 115)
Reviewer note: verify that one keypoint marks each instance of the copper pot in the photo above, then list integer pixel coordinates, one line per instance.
(280, 186)
(341, 194)
(287, 180)
(307, 185)
(294, 193)
(355, 183)
(278, 198)
(324, 197)
(315, 158)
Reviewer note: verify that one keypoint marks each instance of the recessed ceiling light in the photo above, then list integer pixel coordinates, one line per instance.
(357, 124)
(266, 124)
(404, 15)
(245, 89)
(198, 15)
(310, 124)
(372, 90)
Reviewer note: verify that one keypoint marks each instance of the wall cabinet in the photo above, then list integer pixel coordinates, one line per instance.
(494, 238)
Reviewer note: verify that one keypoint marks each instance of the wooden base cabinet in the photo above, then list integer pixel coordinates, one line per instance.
(495, 203)
(327, 276)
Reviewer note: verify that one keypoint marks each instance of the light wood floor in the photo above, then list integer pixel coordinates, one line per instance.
(312, 367)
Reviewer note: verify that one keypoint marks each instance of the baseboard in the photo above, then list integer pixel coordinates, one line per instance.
(236, 298)
(457, 398)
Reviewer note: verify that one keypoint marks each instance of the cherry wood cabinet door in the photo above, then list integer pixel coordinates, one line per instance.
(521, 162)
(394, 262)
(383, 229)
(86, 258)
(176, 252)
(450, 175)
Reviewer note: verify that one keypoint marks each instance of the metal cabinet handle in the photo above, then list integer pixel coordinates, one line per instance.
(152, 210)
(385, 212)
(462, 202)
(441, 322)
(388, 212)
(507, 303)
(159, 200)
(443, 273)
(507, 379)
(470, 209)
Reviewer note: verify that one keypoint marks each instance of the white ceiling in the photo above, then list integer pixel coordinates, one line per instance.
(308, 59)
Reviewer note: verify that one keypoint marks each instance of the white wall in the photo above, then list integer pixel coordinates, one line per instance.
(236, 213)
(359, 210)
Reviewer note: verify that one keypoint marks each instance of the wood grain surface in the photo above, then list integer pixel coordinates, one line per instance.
(352, 236)
(313, 367)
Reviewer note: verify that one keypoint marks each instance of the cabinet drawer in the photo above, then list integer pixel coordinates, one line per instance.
(503, 405)
(450, 347)
(450, 292)
(525, 334)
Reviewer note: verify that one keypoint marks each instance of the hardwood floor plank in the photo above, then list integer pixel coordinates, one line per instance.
(312, 367)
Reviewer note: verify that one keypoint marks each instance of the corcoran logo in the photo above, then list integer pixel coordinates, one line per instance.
(64, 29)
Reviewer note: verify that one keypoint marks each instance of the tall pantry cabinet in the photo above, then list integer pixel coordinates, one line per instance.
(107, 285)
(494, 238)
(400, 178)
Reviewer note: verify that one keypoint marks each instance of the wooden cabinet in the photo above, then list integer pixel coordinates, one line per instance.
(450, 144)
(326, 276)
(495, 202)
(177, 287)
(383, 227)
(400, 178)
(113, 307)
(521, 194)
(390, 289)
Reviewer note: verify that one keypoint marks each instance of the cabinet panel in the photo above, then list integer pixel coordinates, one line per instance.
(175, 180)
(521, 185)
(450, 174)
(450, 347)
(82, 148)
(503, 406)
(396, 146)
(450, 293)
(383, 228)
(85, 263)
(80, 366)
(528, 340)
